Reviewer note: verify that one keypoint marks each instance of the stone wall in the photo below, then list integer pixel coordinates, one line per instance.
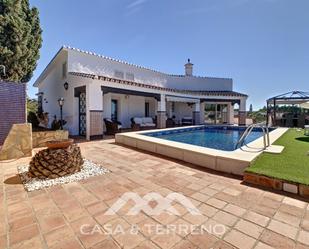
(12, 106)
(39, 138)
(18, 142)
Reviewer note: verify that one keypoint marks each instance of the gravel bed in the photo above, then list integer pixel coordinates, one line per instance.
(89, 169)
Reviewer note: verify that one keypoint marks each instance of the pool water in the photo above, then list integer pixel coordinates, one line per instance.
(215, 137)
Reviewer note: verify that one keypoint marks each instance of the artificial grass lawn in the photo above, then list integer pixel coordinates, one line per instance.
(292, 164)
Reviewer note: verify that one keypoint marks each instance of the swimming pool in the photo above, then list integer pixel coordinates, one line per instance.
(215, 137)
(211, 147)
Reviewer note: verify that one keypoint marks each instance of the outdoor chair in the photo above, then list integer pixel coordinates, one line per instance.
(170, 123)
(112, 127)
(186, 121)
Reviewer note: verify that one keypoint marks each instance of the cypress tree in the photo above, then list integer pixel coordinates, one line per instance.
(20, 39)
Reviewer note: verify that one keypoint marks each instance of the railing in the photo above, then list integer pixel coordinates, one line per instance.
(247, 132)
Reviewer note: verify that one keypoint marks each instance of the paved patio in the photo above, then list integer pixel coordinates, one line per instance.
(52, 218)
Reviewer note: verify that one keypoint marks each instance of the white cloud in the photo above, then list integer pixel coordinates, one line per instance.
(136, 4)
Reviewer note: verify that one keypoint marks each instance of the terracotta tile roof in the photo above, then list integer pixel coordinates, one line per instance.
(133, 83)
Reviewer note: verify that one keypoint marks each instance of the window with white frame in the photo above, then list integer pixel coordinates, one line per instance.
(130, 76)
(118, 74)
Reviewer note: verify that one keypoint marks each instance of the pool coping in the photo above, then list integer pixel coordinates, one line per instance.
(233, 162)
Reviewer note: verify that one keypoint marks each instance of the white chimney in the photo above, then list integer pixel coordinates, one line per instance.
(189, 68)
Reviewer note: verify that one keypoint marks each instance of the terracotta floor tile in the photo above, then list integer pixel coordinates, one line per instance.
(295, 203)
(185, 244)
(129, 240)
(249, 228)
(282, 228)
(50, 222)
(257, 218)
(222, 245)
(207, 210)
(88, 231)
(261, 245)
(180, 227)
(165, 218)
(303, 237)
(31, 243)
(225, 218)
(147, 245)
(231, 191)
(98, 207)
(217, 186)
(240, 240)
(21, 222)
(276, 240)
(67, 244)
(166, 241)
(200, 197)
(216, 203)
(202, 241)
(106, 244)
(23, 234)
(287, 218)
(215, 228)
(3, 241)
(195, 219)
(148, 227)
(233, 209)
(209, 191)
(195, 186)
(296, 211)
(59, 236)
(74, 213)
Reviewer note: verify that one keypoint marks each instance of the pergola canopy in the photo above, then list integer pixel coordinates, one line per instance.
(290, 98)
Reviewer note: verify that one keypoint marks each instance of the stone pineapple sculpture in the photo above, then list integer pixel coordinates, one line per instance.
(54, 163)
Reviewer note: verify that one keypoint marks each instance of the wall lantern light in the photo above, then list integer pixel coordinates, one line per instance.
(66, 85)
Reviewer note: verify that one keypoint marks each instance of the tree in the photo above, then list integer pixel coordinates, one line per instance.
(251, 108)
(32, 105)
(20, 39)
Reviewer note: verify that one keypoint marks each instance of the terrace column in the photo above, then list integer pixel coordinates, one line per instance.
(196, 113)
(242, 112)
(161, 112)
(94, 99)
(202, 112)
(230, 111)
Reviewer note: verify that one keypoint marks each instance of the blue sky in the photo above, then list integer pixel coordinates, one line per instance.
(262, 44)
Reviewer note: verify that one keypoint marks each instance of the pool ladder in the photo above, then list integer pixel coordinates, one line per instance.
(248, 131)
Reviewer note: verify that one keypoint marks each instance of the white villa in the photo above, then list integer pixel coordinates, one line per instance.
(95, 87)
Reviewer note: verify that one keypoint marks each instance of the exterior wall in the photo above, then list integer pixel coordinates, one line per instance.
(87, 63)
(12, 106)
(183, 110)
(53, 89)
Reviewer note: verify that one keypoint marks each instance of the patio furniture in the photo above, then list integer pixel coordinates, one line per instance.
(112, 127)
(170, 123)
(186, 121)
(143, 123)
(307, 130)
